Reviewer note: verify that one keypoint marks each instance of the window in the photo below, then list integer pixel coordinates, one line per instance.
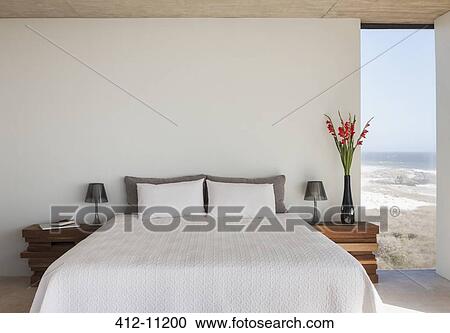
(398, 159)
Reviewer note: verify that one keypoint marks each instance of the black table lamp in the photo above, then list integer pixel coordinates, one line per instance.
(96, 193)
(315, 191)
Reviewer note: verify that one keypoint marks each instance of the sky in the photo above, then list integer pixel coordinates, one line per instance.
(398, 89)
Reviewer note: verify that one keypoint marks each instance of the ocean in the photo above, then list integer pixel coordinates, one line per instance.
(403, 160)
(403, 179)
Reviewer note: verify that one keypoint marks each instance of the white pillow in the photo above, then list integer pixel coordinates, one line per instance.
(176, 195)
(251, 196)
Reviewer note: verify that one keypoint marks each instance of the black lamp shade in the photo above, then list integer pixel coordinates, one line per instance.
(315, 191)
(96, 192)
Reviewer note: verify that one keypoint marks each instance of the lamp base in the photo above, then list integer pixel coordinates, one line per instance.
(313, 221)
(316, 218)
(97, 219)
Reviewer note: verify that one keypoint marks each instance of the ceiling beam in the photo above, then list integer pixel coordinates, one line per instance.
(369, 11)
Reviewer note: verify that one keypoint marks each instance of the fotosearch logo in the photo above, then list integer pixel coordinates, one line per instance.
(221, 219)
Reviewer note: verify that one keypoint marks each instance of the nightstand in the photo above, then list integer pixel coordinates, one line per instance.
(359, 239)
(45, 246)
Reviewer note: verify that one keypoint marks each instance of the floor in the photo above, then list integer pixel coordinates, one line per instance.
(15, 294)
(401, 291)
(417, 290)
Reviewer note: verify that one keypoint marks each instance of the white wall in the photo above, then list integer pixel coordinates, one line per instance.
(223, 81)
(442, 30)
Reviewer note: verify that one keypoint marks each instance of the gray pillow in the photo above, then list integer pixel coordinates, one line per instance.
(131, 187)
(277, 181)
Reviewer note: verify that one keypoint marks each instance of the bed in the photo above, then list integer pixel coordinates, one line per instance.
(142, 271)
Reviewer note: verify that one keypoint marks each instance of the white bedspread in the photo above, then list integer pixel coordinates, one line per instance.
(143, 271)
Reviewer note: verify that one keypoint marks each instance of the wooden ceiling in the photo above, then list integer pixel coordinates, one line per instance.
(369, 11)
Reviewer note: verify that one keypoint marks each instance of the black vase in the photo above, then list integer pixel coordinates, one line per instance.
(347, 209)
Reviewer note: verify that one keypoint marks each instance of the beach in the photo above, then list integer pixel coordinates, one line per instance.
(406, 181)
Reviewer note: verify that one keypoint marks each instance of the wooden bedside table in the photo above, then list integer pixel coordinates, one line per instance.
(45, 246)
(359, 239)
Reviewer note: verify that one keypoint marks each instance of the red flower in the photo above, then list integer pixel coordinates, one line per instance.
(331, 128)
(345, 132)
(364, 132)
(345, 144)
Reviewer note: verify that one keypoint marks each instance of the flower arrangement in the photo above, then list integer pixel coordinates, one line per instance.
(345, 139)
